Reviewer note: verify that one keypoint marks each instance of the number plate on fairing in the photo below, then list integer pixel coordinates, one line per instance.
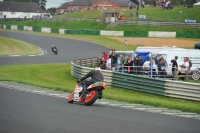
(76, 96)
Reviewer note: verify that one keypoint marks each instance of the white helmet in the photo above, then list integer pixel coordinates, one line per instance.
(97, 69)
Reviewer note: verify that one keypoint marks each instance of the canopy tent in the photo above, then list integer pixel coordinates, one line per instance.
(197, 4)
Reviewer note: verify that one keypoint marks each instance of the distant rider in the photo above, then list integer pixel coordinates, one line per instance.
(54, 48)
(95, 75)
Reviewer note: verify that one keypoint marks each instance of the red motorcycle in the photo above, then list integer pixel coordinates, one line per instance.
(94, 92)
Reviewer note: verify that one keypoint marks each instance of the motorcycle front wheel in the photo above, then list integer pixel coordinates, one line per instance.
(91, 97)
(70, 98)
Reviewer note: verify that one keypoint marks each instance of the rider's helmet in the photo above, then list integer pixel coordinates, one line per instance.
(98, 69)
(52, 45)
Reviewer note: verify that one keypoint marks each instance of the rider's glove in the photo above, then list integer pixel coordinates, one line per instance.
(79, 81)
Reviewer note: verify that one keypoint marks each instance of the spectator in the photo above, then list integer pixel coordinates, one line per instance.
(138, 62)
(184, 68)
(125, 64)
(161, 68)
(164, 61)
(154, 67)
(130, 65)
(142, 3)
(120, 63)
(190, 65)
(174, 65)
(114, 57)
(146, 66)
(102, 63)
(125, 43)
(108, 64)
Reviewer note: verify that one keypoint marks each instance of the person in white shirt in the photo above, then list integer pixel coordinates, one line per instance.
(184, 67)
(108, 64)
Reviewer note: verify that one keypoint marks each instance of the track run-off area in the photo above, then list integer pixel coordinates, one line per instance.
(30, 109)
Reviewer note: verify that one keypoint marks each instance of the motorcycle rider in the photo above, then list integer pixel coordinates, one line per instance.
(54, 48)
(95, 75)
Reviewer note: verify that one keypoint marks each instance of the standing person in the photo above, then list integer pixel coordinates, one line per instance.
(161, 68)
(120, 63)
(125, 43)
(146, 66)
(125, 64)
(108, 64)
(114, 57)
(184, 68)
(130, 65)
(174, 65)
(138, 63)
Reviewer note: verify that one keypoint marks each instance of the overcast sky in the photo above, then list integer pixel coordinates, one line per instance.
(54, 3)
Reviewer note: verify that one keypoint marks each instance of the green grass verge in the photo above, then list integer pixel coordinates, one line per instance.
(152, 13)
(101, 40)
(10, 46)
(92, 25)
(58, 77)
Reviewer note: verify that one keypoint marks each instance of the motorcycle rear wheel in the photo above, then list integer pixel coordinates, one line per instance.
(91, 98)
(70, 98)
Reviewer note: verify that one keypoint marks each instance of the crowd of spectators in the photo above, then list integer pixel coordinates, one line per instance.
(125, 64)
(165, 4)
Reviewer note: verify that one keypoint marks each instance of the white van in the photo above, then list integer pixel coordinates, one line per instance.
(170, 54)
(155, 50)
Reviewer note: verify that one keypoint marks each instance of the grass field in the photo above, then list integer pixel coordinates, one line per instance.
(152, 13)
(58, 77)
(10, 46)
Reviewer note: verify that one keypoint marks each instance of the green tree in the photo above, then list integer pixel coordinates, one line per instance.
(51, 10)
(43, 4)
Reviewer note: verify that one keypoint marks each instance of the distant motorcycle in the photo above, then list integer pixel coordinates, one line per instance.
(94, 92)
(55, 51)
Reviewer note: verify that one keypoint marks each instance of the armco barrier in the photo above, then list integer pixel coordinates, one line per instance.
(46, 30)
(136, 33)
(187, 35)
(8, 27)
(97, 32)
(168, 88)
(14, 27)
(54, 30)
(28, 28)
(86, 32)
(38, 29)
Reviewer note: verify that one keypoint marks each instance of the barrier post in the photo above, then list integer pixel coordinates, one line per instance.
(186, 75)
(86, 62)
(176, 75)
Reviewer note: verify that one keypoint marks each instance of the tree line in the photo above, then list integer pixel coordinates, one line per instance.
(41, 3)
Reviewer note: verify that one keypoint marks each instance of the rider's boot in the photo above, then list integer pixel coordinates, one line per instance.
(84, 88)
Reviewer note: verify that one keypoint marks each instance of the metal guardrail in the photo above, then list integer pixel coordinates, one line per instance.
(175, 89)
(153, 23)
(48, 19)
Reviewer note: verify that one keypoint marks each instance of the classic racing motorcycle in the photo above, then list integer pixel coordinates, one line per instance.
(94, 92)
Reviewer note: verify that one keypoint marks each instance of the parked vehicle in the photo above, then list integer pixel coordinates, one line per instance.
(155, 50)
(94, 91)
(194, 56)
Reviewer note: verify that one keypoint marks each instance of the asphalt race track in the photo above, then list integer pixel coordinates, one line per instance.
(68, 49)
(23, 112)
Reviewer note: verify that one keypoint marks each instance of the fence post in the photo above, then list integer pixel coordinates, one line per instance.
(186, 75)
(176, 75)
(92, 61)
(81, 62)
(86, 63)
